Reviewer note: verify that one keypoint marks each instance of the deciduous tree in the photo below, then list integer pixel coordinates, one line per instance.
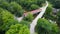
(18, 29)
(6, 19)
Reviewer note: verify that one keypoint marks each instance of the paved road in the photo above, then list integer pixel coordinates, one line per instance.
(34, 22)
(19, 18)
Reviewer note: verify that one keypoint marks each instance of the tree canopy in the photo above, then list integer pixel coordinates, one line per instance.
(56, 3)
(6, 19)
(29, 17)
(45, 27)
(58, 18)
(18, 29)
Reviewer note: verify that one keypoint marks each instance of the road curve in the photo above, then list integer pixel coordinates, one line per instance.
(19, 18)
(34, 22)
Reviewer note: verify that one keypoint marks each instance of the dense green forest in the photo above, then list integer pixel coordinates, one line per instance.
(16, 8)
(56, 3)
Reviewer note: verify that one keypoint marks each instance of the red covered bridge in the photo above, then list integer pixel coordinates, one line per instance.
(33, 12)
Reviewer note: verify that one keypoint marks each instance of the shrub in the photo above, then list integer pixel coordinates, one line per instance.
(25, 23)
(34, 6)
(29, 17)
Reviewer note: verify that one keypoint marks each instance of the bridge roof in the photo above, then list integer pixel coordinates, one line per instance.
(33, 11)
